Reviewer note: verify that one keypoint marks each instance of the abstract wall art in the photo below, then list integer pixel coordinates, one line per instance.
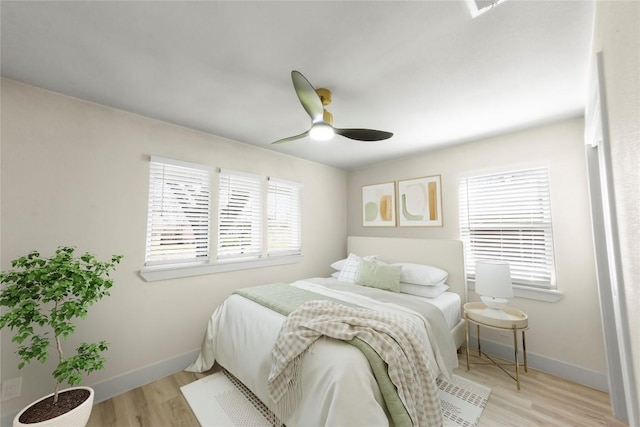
(420, 202)
(379, 205)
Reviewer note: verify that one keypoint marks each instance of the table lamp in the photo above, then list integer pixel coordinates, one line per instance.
(493, 283)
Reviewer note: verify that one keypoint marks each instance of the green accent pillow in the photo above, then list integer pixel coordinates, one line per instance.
(385, 277)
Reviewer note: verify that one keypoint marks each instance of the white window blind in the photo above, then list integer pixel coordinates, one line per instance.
(178, 215)
(507, 216)
(239, 215)
(283, 217)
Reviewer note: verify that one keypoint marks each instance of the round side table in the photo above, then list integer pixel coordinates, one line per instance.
(507, 319)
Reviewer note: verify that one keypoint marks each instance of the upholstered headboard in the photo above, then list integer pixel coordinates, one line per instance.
(445, 254)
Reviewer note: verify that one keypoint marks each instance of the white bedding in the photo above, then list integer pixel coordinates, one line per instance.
(449, 304)
(339, 386)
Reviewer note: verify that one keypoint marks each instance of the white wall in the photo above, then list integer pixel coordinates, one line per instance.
(568, 331)
(617, 35)
(76, 173)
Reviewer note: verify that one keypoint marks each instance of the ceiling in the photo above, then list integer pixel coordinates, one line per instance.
(424, 70)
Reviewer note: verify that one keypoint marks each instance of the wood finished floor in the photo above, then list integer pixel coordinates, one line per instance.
(544, 400)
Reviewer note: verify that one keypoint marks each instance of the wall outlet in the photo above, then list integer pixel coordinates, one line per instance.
(11, 388)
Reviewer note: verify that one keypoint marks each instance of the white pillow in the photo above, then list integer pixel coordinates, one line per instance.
(421, 274)
(339, 265)
(423, 291)
(349, 272)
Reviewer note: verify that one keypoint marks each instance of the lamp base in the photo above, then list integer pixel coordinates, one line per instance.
(495, 303)
(494, 307)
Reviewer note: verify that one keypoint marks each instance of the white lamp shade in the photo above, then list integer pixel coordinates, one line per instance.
(493, 279)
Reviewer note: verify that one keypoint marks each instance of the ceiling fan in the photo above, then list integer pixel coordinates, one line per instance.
(314, 102)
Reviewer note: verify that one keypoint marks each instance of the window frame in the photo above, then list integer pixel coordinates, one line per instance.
(183, 179)
(215, 265)
(289, 192)
(539, 291)
(240, 186)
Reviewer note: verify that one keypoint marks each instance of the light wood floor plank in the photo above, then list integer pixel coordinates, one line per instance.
(544, 400)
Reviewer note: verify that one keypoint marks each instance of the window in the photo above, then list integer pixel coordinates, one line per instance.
(283, 217)
(250, 205)
(258, 221)
(239, 215)
(507, 216)
(178, 215)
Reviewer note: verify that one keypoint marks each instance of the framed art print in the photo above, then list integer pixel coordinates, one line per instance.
(420, 202)
(379, 205)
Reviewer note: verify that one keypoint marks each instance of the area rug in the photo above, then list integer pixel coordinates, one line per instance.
(221, 400)
(462, 401)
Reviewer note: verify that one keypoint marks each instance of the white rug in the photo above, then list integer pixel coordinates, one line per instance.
(220, 400)
(462, 401)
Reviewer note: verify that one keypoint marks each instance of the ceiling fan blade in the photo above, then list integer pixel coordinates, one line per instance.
(291, 138)
(307, 96)
(364, 134)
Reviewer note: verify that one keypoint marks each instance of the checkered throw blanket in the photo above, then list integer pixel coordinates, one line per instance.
(392, 336)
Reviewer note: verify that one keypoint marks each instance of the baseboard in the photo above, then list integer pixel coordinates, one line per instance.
(114, 386)
(107, 389)
(561, 369)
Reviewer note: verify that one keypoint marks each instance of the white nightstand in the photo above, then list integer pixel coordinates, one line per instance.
(511, 319)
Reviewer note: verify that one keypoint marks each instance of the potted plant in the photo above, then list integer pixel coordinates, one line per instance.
(43, 297)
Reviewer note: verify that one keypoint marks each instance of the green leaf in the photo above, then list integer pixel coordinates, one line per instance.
(43, 294)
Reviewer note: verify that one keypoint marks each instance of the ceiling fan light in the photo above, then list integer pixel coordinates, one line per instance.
(321, 132)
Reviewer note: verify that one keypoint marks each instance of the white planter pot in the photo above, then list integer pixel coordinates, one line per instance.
(77, 417)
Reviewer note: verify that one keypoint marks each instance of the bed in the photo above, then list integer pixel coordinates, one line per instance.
(338, 386)
(445, 254)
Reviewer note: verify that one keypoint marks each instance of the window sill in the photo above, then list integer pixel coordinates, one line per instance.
(152, 274)
(546, 295)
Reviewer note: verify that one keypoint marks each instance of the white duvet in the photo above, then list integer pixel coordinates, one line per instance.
(339, 388)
